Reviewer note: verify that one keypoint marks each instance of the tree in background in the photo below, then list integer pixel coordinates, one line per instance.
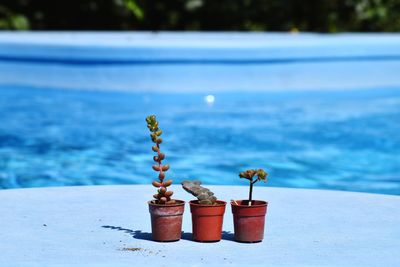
(202, 15)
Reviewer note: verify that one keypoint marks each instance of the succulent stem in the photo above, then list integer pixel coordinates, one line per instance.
(163, 196)
(251, 192)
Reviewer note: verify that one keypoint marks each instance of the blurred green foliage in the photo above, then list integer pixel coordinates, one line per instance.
(12, 21)
(202, 15)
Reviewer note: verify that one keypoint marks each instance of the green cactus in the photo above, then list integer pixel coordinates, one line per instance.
(249, 175)
(163, 196)
(204, 195)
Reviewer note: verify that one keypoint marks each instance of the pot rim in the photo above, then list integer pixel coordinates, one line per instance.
(180, 203)
(263, 204)
(220, 203)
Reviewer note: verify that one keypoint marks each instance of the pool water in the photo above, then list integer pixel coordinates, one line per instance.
(345, 140)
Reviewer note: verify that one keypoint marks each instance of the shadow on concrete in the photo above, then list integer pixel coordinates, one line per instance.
(138, 234)
(187, 236)
(226, 235)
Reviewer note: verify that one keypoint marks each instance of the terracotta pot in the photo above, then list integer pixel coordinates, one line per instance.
(207, 221)
(249, 221)
(166, 221)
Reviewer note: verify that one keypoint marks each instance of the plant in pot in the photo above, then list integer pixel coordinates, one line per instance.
(207, 213)
(249, 214)
(166, 213)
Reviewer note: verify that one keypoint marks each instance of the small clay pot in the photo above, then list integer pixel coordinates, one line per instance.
(207, 221)
(166, 221)
(248, 220)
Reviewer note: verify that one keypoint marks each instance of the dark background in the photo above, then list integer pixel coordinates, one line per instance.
(202, 15)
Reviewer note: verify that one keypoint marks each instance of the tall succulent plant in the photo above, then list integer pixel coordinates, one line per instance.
(250, 175)
(163, 195)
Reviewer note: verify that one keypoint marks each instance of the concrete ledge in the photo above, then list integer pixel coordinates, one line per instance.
(110, 226)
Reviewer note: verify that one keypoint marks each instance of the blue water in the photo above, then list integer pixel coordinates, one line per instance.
(348, 140)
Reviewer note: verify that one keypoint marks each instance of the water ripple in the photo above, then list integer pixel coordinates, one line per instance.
(332, 140)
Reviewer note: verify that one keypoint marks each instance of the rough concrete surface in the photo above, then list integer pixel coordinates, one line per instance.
(110, 226)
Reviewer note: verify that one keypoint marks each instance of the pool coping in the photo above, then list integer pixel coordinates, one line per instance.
(194, 48)
(199, 62)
